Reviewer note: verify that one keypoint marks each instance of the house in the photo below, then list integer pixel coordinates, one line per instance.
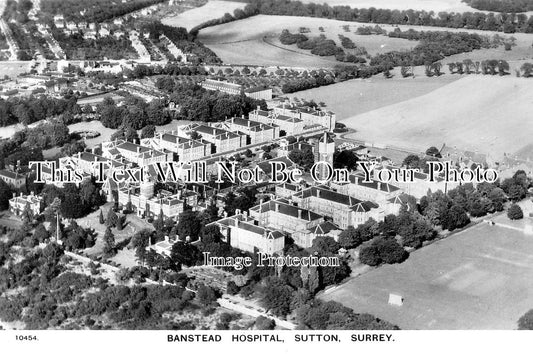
(89, 35)
(18, 204)
(71, 26)
(59, 21)
(14, 179)
(103, 32)
(118, 34)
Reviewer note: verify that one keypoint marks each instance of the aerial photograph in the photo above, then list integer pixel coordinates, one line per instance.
(248, 165)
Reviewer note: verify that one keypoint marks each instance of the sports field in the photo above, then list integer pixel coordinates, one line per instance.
(481, 278)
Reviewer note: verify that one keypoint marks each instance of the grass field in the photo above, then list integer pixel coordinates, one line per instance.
(13, 69)
(481, 278)
(212, 10)
(478, 113)
(359, 96)
(254, 41)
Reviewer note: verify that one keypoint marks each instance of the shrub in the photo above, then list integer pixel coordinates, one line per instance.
(515, 212)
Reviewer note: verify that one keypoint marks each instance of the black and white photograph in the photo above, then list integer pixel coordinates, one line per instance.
(266, 172)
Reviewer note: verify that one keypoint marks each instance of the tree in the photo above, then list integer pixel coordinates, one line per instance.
(515, 212)
(433, 151)
(184, 253)
(206, 295)
(345, 159)
(411, 161)
(350, 238)
(369, 255)
(148, 131)
(325, 245)
(5, 194)
(263, 323)
(140, 241)
(112, 218)
(527, 70)
(389, 250)
(27, 216)
(101, 219)
(232, 288)
(526, 321)
(109, 243)
(131, 135)
(211, 234)
(455, 218)
(303, 158)
(189, 226)
(40, 233)
(277, 296)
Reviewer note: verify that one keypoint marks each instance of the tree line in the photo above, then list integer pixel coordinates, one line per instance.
(27, 110)
(198, 104)
(501, 22)
(501, 5)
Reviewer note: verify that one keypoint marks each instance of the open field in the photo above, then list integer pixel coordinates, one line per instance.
(212, 10)
(254, 41)
(428, 5)
(353, 97)
(478, 113)
(14, 68)
(481, 278)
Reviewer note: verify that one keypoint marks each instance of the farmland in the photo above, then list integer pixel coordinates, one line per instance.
(359, 96)
(480, 278)
(486, 114)
(255, 41)
(212, 10)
